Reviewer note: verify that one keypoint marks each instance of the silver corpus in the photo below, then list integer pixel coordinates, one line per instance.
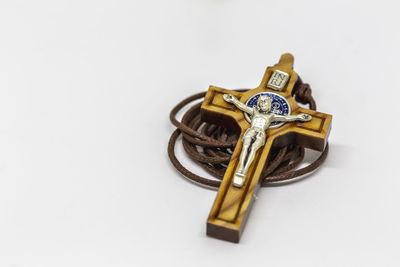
(254, 137)
(278, 80)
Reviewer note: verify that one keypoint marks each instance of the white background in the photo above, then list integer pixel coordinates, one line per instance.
(85, 92)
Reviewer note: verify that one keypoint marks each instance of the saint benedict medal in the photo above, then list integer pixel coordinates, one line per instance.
(265, 119)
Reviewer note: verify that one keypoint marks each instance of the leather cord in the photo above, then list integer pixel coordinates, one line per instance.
(211, 146)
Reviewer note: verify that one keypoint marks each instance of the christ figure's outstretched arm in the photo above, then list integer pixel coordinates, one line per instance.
(299, 117)
(233, 100)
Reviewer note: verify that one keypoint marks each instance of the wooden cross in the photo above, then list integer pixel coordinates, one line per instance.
(232, 205)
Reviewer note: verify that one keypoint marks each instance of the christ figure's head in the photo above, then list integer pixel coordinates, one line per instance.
(264, 103)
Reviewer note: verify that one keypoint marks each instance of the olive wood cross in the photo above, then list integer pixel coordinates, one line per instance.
(232, 205)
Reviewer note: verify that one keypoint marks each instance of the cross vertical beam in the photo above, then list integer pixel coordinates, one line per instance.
(232, 205)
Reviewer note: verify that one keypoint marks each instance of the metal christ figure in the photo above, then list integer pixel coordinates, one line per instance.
(254, 137)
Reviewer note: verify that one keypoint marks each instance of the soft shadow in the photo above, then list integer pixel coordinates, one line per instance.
(339, 156)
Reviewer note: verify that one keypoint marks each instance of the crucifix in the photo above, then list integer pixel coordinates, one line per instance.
(266, 117)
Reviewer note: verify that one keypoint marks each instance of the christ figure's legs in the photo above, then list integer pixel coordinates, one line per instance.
(252, 140)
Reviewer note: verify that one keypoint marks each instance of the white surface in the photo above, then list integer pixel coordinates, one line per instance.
(85, 92)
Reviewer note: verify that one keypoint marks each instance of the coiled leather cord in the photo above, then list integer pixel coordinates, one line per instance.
(211, 146)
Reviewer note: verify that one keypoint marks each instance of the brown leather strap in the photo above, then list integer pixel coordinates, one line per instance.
(211, 146)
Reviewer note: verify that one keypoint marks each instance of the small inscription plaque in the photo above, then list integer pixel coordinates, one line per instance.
(278, 80)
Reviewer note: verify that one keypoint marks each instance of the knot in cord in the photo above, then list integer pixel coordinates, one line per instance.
(303, 94)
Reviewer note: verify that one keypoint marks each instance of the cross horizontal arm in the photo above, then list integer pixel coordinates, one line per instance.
(311, 134)
(216, 110)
